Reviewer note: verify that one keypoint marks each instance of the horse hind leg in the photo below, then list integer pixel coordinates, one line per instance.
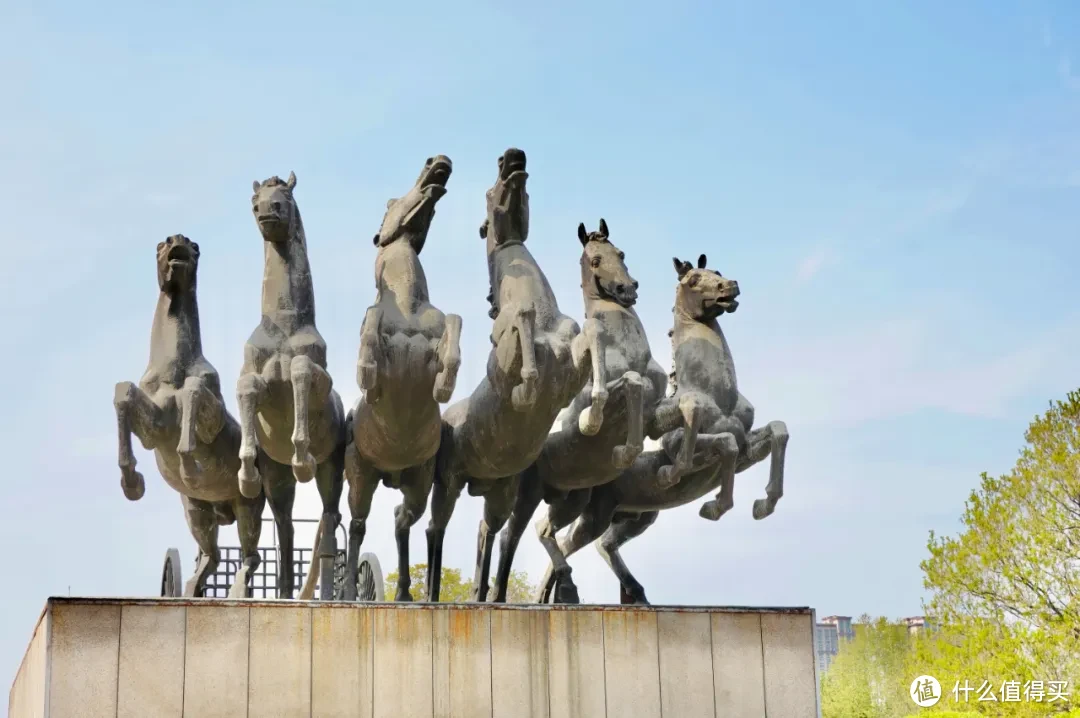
(589, 526)
(623, 528)
(623, 456)
(363, 480)
(331, 482)
(302, 373)
(770, 440)
(498, 506)
(280, 494)
(251, 392)
(449, 355)
(524, 395)
(415, 488)
(529, 495)
(248, 514)
(203, 523)
(559, 515)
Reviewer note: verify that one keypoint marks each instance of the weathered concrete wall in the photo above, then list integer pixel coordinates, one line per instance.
(168, 658)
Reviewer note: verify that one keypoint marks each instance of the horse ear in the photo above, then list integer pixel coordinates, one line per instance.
(603, 228)
(681, 267)
(291, 182)
(701, 262)
(255, 185)
(582, 235)
(483, 230)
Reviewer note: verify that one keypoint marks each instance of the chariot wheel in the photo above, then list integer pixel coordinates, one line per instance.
(369, 579)
(172, 582)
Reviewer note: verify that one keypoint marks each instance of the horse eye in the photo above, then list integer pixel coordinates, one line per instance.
(693, 280)
(595, 262)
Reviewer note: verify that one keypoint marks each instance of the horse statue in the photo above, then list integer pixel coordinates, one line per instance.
(538, 363)
(576, 457)
(288, 407)
(706, 438)
(178, 412)
(410, 353)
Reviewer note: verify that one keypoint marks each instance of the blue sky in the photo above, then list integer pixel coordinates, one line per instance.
(894, 185)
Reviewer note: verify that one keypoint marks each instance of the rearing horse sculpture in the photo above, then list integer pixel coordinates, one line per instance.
(288, 406)
(690, 464)
(178, 412)
(537, 365)
(576, 458)
(409, 358)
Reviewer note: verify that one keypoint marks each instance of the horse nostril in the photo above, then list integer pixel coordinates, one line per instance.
(635, 285)
(620, 289)
(276, 206)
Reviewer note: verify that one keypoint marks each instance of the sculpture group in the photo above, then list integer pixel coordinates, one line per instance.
(597, 380)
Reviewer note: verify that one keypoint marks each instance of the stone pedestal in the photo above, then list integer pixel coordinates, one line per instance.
(167, 658)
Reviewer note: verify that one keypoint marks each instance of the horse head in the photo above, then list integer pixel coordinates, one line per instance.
(507, 202)
(703, 294)
(410, 216)
(603, 271)
(177, 264)
(275, 208)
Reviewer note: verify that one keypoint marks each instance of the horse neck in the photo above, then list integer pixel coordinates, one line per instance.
(176, 336)
(288, 298)
(502, 256)
(714, 344)
(401, 277)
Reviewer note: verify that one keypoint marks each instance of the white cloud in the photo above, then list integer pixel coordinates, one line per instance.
(810, 266)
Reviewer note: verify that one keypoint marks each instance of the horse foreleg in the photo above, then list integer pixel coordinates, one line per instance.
(445, 492)
(415, 488)
(201, 417)
(302, 373)
(590, 420)
(634, 389)
(363, 479)
(692, 414)
(330, 481)
(529, 495)
(367, 365)
(728, 449)
(280, 489)
(523, 395)
(248, 514)
(202, 520)
(449, 357)
(251, 392)
(560, 514)
(136, 413)
(769, 440)
(498, 505)
(623, 528)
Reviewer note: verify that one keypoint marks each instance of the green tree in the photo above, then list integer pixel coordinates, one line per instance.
(455, 589)
(871, 674)
(1005, 592)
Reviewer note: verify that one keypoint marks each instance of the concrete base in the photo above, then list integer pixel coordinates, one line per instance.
(167, 658)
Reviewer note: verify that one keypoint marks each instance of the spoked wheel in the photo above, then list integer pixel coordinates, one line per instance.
(369, 582)
(172, 582)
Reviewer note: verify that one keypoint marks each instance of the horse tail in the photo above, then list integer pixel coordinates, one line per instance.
(307, 593)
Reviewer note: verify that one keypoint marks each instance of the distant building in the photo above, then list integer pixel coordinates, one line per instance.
(828, 634)
(917, 625)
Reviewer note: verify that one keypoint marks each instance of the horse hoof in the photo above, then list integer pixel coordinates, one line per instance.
(250, 485)
(133, 485)
(523, 398)
(566, 592)
(240, 588)
(622, 457)
(403, 596)
(303, 468)
(589, 424)
(763, 508)
(712, 510)
(667, 477)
